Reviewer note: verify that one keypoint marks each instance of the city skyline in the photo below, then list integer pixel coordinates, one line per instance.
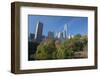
(57, 24)
(57, 37)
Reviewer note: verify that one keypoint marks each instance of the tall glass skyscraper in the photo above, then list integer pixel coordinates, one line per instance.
(65, 31)
(39, 30)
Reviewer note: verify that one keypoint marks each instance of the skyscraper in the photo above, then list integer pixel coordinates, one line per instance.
(60, 35)
(50, 34)
(39, 30)
(65, 30)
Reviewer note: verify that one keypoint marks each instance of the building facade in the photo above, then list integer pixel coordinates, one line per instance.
(39, 31)
(51, 34)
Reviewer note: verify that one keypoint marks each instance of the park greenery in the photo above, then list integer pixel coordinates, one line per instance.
(55, 49)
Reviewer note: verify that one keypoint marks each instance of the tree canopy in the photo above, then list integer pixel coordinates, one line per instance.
(53, 49)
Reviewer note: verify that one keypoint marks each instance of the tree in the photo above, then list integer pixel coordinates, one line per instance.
(32, 47)
(56, 49)
(64, 50)
(45, 50)
(77, 43)
(84, 39)
(41, 53)
(67, 48)
(77, 36)
(60, 54)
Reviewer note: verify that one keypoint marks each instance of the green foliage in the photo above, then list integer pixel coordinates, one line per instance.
(41, 52)
(45, 50)
(49, 49)
(84, 39)
(60, 54)
(69, 48)
(77, 36)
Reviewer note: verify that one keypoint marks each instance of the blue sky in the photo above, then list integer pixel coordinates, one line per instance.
(56, 24)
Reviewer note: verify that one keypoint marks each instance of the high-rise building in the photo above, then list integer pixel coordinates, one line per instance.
(50, 34)
(60, 35)
(56, 35)
(39, 30)
(65, 30)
